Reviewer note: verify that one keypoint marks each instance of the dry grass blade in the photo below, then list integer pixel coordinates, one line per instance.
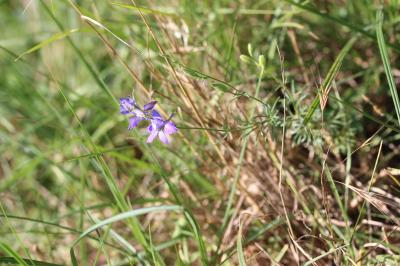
(379, 201)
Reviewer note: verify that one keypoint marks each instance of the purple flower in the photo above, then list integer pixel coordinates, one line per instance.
(158, 126)
(128, 106)
(149, 106)
(161, 128)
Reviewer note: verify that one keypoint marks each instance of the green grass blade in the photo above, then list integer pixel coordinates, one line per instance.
(47, 41)
(122, 241)
(110, 181)
(243, 149)
(14, 261)
(53, 224)
(337, 197)
(20, 174)
(253, 236)
(144, 10)
(178, 198)
(239, 248)
(10, 252)
(5, 247)
(386, 63)
(98, 24)
(120, 217)
(329, 78)
(386, 124)
(198, 236)
(89, 67)
(342, 22)
(361, 212)
(324, 255)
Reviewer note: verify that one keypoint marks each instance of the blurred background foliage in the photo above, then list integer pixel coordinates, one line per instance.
(67, 158)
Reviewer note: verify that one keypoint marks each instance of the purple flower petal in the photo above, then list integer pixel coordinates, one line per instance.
(157, 123)
(152, 136)
(170, 128)
(133, 122)
(126, 105)
(163, 137)
(156, 115)
(150, 128)
(149, 106)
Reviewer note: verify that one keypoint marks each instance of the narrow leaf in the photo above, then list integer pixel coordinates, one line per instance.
(343, 22)
(98, 24)
(239, 247)
(329, 78)
(10, 252)
(332, 250)
(13, 261)
(386, 63)
(222, 87)
(144, 10)
(120, 217)
(43, 43)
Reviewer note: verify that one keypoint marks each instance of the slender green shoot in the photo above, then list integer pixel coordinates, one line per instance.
(386, 63)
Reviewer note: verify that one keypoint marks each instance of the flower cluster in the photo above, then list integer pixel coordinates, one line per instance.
(158, 126)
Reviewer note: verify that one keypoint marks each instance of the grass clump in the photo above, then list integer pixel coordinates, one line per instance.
(287, 147)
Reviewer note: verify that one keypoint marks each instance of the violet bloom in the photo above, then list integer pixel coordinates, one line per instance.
(128, 106)
(161, 128)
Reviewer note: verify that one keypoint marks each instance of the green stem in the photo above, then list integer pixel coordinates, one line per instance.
(238, 169)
